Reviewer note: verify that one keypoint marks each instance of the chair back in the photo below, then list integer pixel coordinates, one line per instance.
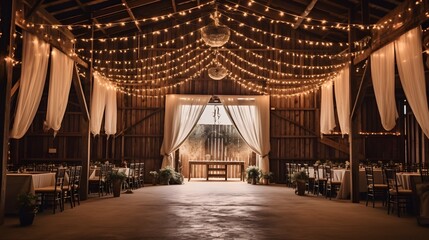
(59, 178)
(424, 174)
(392, 181)
(328, 173)
(369, 174)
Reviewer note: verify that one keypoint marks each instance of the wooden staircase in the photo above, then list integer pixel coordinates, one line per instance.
(220, 171)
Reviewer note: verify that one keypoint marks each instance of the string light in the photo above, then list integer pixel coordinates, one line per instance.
(121, 23)
(320, 24)
(312, 43)
(294, 54)
(125, 79)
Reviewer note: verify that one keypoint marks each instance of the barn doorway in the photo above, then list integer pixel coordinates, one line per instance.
(215, 138)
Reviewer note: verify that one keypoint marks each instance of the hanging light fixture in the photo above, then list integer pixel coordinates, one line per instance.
(217, 72)
(214, 34)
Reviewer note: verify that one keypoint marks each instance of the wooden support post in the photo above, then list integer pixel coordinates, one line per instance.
(353, 135)
(86, 130)
(7, 16)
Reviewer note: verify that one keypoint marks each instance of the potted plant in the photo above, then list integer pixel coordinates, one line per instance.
(165, 174)
(116, 178)
(253, 173)
(27, 208)
(267, 177)
(155, 177)
(300, 178)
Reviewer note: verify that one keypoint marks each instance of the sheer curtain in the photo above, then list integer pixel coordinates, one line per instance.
(111, 114)
(327, 115)
(182, 113)
(409, 60)
(342, 97)
(251, 117)
(383, 80)
(59, 89)
(98, 103)
(35, 58)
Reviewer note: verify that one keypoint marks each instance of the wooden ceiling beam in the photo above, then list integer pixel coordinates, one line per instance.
(384, 36)
(41, 12)
(173, 3)
(133, 18)
(307, 11)
(35, 6)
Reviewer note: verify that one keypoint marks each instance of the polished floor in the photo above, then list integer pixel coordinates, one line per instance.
(216, 210)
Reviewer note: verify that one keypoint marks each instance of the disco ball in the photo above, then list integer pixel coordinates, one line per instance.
(217, 73)
(215, 35)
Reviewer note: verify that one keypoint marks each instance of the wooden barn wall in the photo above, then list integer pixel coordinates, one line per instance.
(294, 120)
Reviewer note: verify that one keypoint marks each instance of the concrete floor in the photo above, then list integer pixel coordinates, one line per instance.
(216, 210)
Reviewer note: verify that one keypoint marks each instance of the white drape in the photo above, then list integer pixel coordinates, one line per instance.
(98, 103)
(342, 97)
(110, 117)
(182, 113)
(383, 80)
(35, 56)
(327, 115)
(409, 60)
(59, 89)
(251, 117)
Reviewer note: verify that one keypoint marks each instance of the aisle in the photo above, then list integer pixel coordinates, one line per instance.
(216, 210)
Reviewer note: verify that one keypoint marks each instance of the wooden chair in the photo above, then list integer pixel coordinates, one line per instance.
(331, 184)
(131, 178)
(309, 184)
(53, 193)
(76, 185)
(100, 183)
(320, 179)
(424, 174)
(398, 197)
(374, 189)
(140, 174)
(67, 186)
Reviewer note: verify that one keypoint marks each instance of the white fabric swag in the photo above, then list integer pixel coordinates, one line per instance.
(409, 60)
(383, 80)
(327, 114)
(342, 97)
(251, 117)
(98, 103)
(182, 113)
(35, 58)
(59, 89)
(111, 114)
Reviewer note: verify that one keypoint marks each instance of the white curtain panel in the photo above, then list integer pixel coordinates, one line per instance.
(98, 103)
(409, 60)
(383, 81)
(111, 114)
(327, 114)
(35, 58)
(59, 89)
(251, 116)
(182, 113)
(342, 97)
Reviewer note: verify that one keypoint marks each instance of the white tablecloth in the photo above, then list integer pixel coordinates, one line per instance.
(17, 183)
(94, 173)
(404, 179)
(345, 188)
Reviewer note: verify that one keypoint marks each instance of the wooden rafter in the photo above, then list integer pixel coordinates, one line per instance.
(307, 11)
(173, 3)
(35, 6)
(130, 12)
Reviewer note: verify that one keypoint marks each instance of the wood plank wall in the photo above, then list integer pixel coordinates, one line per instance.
(294, 120)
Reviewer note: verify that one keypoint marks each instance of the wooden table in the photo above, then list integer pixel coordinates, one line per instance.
(209, 163)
